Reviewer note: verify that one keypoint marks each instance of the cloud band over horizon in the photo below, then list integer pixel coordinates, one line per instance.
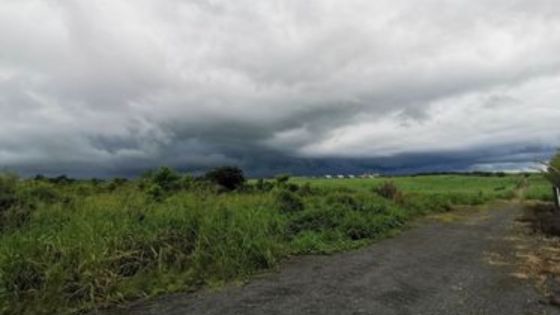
(115, 87)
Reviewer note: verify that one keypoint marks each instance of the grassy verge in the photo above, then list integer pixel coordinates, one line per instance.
(70, 247)
(538, 189)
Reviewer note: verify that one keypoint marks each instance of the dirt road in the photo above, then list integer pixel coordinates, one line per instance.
(441, 266)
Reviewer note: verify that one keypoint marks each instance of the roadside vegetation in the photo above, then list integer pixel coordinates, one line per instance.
(553, 170)
(539, 188)
(67, 245)
(540, 185)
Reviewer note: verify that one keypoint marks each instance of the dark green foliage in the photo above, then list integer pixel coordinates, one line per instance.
(343, 199)
(553, 170)
(8, 191)
(61, 180)
(282, 179)
(115, 183)
(187, 182)
(291, 187)
(306, 190)
(15, 209)
(316, 219)
(387, 190)
(358, 227)
(229, 177)
(156, 192)
(263, 185)
(40, 177)
(288, 202)
(166, 178)
(158, 184)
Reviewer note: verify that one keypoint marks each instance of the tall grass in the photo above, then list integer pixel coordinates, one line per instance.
(86, 245)
(539, 188)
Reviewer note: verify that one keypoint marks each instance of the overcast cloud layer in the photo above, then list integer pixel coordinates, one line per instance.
(114, 87)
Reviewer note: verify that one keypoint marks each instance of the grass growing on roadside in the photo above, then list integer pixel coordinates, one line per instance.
(75, 246)
(539, 188)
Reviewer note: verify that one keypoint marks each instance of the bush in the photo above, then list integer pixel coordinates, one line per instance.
(156, 192)
(317, 219)
(282, 179)
(306, 190)
(42, 192)
(8, 196)
(263, 186)
(187, 182)
(229, 177)
(288, 202)
(387, 190)
(62, 180)
(166, 178)
(343, 199)
(15, 210)
(115, 183)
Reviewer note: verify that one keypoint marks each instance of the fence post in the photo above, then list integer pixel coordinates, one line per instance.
(556, 196)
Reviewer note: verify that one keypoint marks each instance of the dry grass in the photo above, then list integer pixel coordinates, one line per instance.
(538, 251)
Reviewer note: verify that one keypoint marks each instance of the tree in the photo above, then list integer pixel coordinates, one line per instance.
(229, 177)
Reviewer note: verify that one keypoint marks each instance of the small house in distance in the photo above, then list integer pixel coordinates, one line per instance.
(370, 175)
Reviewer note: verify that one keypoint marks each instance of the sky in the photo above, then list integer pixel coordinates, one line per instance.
(107, 88)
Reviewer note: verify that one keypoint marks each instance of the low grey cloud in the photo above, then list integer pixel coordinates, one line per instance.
(115, 87)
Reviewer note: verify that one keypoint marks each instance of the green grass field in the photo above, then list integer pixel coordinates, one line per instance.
(70, 247)
(539, 189)
(423, 184)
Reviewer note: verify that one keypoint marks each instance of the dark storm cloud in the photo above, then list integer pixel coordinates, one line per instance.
(115, 87)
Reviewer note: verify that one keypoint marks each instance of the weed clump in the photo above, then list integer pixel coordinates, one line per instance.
(15, 209)
(288, 202)
(343, 199)
(388, 190)
(7, 191)
(228, 177)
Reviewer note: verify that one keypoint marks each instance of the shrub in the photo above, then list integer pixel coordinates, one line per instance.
(306, 190)
(16, 216)
(187, 182)
(40, 177)
(62, 180)
(344, 199)
(42, 192)
(317, 219)
(291, 187)
(156, 192)
(116, 183)
(387, 190)
(15, 211)
(8, 196)
(166, 178)
(282, 179)
(229, 177)
(288, 202)
(358, 227)
(263, 185)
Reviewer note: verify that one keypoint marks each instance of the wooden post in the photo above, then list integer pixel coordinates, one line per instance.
(556, 196)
